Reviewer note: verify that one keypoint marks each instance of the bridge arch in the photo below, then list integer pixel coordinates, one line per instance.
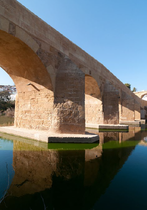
(42, 61)
(142, 96)
(93, 102)
(34, 101)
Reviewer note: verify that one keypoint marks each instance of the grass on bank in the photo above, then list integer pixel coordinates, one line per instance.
(116, 144)
(6, 121)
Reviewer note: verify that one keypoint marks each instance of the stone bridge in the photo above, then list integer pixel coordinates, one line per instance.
(60, 87)
(141, 94)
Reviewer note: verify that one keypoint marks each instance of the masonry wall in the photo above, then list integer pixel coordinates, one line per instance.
(93, 102)
(69, 107)
(127, 111)
(111, 104)
(137, 111)
(34, 109)
(127, 107)
(93, 110)
(34, 35)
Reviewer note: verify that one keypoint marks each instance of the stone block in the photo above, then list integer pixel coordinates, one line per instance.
(27, 39)
(4, 24)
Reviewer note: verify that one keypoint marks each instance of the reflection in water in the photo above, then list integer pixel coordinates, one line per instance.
(128, 189)
(6, 169)
(75, 179)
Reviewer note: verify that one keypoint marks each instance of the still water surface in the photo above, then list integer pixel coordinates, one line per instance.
(109, 175)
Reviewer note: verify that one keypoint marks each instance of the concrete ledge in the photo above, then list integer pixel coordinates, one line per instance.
(108, 126)
(88, 125)
(136, 122)
(113, 127)
(71, 138)
(45, 136)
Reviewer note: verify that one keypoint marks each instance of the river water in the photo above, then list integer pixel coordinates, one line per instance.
(108, 175)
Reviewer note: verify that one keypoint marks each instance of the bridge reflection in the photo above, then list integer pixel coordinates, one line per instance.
(65, 179)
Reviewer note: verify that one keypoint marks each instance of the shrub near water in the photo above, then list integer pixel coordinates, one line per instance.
(6, 121)
(7, 117)
(6, 109)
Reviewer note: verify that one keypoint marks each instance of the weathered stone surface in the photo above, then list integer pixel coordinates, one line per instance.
(58, 84)
(110, 104)
(69, 112)
(26, 38)
(93, 102)
(12, 29)
(36, 112)
(4, 24)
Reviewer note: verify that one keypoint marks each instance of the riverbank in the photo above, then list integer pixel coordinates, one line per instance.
(6, 121)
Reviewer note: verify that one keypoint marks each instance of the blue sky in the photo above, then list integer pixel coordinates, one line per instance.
(112, 31)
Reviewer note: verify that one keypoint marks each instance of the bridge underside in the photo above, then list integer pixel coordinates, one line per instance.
(62, 104)
(38, 106)
(59, 86)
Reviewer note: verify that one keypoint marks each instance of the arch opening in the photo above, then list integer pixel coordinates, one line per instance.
(34, 101)
(7, 99)
(144, 97)
(93, 102)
